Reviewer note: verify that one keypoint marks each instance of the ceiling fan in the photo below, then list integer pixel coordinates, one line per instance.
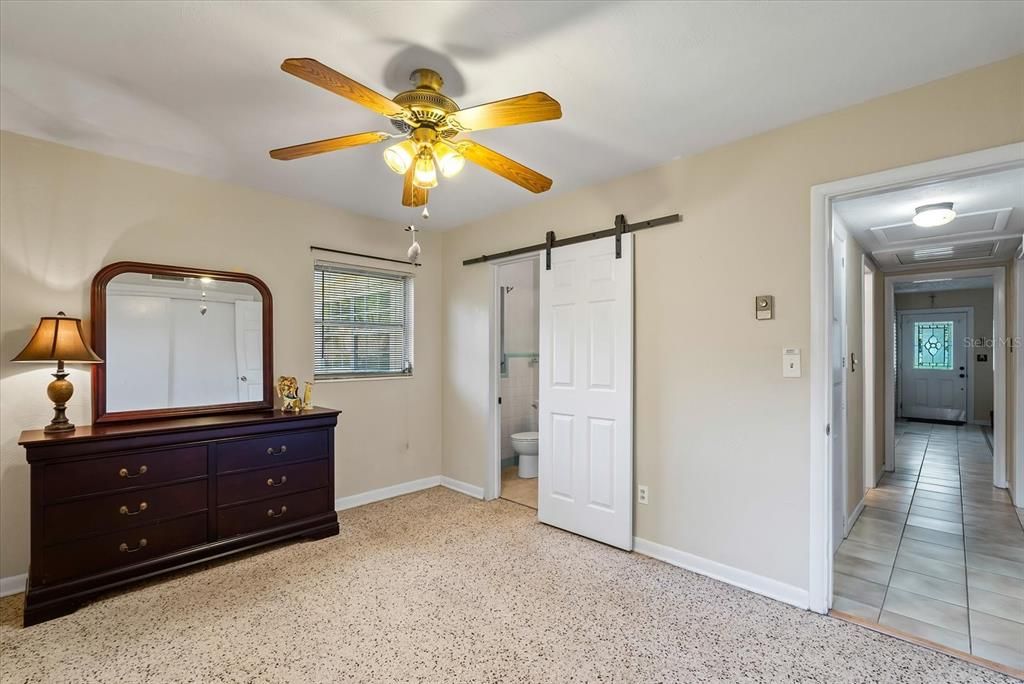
(429, 122)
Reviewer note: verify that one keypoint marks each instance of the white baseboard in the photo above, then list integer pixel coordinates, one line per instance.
(780, 591)
(463, 487)
(391, 492)
(851, 520)
(12, 585)
(373, 495)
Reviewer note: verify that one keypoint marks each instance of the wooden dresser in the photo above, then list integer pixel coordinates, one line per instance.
(113, 504)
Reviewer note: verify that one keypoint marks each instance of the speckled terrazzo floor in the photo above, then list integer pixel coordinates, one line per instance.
(438, 587)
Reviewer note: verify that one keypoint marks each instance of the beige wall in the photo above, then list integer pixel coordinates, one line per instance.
(720, 437)
(65, 213)
(981, 301)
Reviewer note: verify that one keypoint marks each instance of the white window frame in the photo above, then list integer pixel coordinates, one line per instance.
(410, 298)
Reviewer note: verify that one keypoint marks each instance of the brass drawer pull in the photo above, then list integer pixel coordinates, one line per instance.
(124, 547)
(124, 472)
(271, 483)
(272, 514)
(124, 509)
(271, 452)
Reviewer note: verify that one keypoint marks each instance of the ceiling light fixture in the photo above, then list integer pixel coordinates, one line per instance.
(448, 159)
(400, 157)
(430, 120)
(425, 175)
(934, 215)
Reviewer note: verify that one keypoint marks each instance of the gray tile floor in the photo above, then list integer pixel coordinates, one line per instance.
(938, 551)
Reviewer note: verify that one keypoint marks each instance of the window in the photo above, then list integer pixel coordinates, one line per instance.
(933, 345)
(362, 322)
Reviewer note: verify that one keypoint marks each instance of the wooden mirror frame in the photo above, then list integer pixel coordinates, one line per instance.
(99, 344)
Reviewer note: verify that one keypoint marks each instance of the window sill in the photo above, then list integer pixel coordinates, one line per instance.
(370, 378)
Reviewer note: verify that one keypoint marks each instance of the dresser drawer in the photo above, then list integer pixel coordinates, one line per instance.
(272, 482)
(111, 473)
(135, 508)
(122, 548)
(267, 451)
(269, 513)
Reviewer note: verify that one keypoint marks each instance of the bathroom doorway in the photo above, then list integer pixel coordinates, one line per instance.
(517, 371)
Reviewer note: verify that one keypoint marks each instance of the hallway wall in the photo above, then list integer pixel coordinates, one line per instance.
(981, 300)
(1015, 359)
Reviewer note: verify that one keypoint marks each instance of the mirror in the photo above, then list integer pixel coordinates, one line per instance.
(179, 341)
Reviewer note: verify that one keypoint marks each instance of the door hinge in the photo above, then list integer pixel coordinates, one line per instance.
(828, 429)
(499, 401)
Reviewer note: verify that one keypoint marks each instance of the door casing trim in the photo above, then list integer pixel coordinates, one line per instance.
(492, 467)
(822, 197)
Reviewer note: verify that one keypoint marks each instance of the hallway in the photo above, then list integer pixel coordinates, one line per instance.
(937, 551)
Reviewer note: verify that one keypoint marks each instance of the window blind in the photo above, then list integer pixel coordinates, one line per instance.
(362, 322)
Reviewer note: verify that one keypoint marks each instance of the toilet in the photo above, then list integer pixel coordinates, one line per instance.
(525, 445)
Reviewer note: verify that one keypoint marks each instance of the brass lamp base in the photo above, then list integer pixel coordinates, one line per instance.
(59, 391)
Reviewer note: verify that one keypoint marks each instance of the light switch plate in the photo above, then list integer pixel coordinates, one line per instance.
(764, 307)
(791, 362)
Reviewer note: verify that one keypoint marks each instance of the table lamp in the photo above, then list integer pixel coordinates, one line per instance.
(58, 338)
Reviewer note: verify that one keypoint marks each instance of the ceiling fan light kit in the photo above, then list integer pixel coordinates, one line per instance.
(430, 120)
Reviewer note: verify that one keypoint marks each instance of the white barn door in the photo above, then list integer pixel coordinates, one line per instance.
(586, 391)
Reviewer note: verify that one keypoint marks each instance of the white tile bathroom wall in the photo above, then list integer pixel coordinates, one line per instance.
(519, 386)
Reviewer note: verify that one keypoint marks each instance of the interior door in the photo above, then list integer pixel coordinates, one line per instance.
(933, 365)
(586, 391)
(838, 421)
(249, 349)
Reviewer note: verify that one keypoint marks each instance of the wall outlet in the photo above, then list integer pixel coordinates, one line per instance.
(642, 495)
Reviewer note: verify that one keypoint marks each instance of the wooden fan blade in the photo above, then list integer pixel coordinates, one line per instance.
(411, 195)
(511, 112)
(504, 167)
(339, 84)
(329, 145)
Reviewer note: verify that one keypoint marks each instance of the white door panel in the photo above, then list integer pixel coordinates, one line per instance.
(933, 365)
(586, 393)
(249, 349)
(838, 418)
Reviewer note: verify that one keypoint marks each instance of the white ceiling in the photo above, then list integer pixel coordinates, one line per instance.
(196, 87)
(987, 229)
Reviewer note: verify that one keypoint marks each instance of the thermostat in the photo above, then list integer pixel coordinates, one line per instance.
(764, 307)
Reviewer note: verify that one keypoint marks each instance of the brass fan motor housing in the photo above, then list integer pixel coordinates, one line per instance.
(429, 106)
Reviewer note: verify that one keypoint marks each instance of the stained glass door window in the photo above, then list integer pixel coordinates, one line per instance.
(933, 348)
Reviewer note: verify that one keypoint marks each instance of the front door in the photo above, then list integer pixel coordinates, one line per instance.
(933, 365)
(586, 391)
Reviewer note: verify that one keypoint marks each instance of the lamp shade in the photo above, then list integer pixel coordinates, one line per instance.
(58, 338)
